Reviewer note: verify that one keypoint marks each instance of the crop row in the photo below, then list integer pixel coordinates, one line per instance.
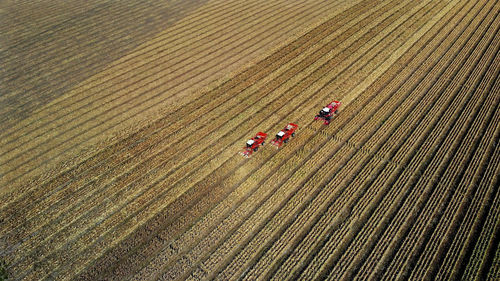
(458, 176)
(383, 130)
(94, 124)
(417, 136)
(425, 102)
(49, 18)
(307, 191)
(381, 246)
(432, 167)
(389, 87)
(469, 216)
(484, 229)
(333, 259)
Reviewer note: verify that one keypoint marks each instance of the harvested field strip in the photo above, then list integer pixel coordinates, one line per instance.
(94, 127)
(73, 27)
(55, 56)
(46, 25)
(130, 35)
(189, 113)
(146, 50)
(469, 215)
(61, 120)
(480, 243)
(257, 243)
(69, 110)
(431, 168)
(45, 19)
(174, 53)
(147, 53)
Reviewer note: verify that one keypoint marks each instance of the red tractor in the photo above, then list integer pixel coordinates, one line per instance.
(285, 134)
(253, 144)
(328, 111)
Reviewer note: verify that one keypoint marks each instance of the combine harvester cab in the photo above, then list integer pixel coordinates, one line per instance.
(253, 144)
(284, 135)
(328, 112)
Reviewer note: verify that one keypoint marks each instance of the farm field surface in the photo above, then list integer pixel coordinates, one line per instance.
(121, 124)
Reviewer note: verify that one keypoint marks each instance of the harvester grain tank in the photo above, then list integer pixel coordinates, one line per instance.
(253, 144)
(328, 112)
(284, 135)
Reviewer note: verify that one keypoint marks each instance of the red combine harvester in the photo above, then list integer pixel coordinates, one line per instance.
(253, 144)
(283, 135)
(328, 111)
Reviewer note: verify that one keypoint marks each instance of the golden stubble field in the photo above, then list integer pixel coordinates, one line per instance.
(122, 123)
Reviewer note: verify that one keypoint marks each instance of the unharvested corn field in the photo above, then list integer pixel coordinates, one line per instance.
(121, 124)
